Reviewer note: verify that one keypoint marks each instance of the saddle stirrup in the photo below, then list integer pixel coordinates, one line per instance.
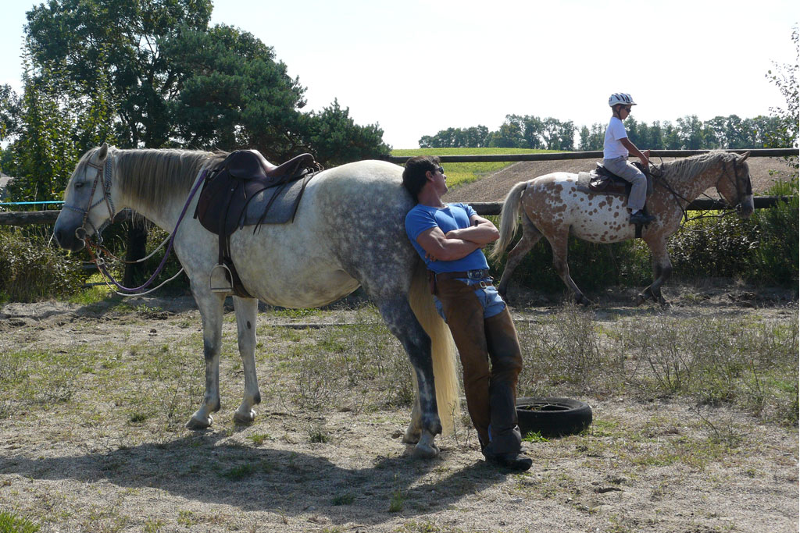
(220, 279)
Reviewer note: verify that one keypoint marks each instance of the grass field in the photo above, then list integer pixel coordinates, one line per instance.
(462, 173)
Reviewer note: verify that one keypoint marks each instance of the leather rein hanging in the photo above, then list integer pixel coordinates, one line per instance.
(104, 176)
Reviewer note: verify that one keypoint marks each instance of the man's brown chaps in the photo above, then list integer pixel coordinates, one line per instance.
(490, 391)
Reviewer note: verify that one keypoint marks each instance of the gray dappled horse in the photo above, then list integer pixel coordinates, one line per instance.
(348, 231)
(555, 206)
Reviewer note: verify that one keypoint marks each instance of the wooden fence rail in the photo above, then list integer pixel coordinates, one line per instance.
(24, 218)
(555, 156)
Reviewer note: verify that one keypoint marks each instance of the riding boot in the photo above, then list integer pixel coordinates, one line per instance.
(506, 357)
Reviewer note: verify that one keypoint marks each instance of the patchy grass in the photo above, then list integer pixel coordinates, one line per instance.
(463, 173)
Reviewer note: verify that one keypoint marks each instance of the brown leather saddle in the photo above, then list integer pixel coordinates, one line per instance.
(229, 189)
(603, 180)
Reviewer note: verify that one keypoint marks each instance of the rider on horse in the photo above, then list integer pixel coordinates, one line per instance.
(616, 148)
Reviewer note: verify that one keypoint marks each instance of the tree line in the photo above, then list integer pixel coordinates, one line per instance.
(688, 133)
(144, 74)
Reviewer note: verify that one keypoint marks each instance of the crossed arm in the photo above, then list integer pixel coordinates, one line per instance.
(458, 243)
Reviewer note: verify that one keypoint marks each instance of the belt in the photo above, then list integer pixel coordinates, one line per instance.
(469, 274)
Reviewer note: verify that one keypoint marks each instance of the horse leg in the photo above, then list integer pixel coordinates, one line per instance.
(400, 319)
(211, 307)
(559, 245)
(414, 430)
(662, 270)
(246, 314)
(530, 236)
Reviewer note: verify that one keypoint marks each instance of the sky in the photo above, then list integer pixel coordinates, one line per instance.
(420, 66)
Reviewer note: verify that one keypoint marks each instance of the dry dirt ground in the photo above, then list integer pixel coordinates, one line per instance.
(94, 467)
(764, 172)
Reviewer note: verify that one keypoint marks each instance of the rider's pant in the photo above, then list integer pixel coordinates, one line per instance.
(622, 168)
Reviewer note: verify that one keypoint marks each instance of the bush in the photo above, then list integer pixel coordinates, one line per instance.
(31, 269)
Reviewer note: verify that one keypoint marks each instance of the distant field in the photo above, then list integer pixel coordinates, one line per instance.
(462, 173)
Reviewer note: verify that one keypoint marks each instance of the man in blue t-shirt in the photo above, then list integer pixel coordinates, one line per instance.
(450, 238)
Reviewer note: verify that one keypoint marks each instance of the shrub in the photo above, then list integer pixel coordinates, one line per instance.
(31, 269)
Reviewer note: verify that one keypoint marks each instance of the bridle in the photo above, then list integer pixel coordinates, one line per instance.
(740, 193)
(748, 190)
(102, 171)
(105, 171)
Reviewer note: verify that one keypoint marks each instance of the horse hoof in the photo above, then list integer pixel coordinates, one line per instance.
(426, 448)
(425, 451)
(199, 423)
(244, 418)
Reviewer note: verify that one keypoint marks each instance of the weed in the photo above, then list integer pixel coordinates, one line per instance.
(398, 501)
(343, 499)
(10, 523)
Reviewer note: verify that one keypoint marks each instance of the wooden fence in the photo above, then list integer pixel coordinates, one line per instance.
(24, 218)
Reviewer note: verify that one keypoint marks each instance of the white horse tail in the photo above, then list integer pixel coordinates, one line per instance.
(443, 350)
(509, 219)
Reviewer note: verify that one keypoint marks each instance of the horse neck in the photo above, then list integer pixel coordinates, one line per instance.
(691, 182)
(154, 189)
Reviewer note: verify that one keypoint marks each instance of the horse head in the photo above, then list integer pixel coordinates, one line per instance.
(88, 200)
(734, 184)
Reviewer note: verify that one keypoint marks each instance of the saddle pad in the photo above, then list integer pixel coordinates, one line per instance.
(276, 205)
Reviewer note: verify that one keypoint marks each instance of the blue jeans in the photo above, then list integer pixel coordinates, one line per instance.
(487, 295)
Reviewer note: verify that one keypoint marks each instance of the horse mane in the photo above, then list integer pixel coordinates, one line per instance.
(153, 177)
(689, 167)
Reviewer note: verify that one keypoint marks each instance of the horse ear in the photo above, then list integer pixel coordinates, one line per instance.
(101, 155)
(744, 156)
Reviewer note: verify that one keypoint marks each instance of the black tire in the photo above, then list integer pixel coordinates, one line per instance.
(553, 417)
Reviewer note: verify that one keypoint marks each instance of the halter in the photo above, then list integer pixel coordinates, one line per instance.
(102, 170)
(81, 234)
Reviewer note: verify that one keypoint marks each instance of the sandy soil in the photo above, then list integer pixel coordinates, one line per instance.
(91, 469)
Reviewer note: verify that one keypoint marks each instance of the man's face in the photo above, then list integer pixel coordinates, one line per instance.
(438, 179)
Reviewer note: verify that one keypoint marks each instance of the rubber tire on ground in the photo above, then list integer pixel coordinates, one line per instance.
(553, 417)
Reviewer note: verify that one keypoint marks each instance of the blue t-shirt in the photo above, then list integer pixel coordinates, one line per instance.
(453, 216)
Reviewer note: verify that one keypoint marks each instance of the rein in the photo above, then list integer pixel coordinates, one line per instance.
(726, 210)
(97, 258)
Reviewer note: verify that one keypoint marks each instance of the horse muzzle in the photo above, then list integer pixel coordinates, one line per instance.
(70, 239)
(746, 207)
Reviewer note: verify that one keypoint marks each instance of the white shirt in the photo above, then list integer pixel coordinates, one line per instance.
(612, 147)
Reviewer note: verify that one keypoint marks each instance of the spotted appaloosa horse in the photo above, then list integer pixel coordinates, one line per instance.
(554, 206)
(348, 231)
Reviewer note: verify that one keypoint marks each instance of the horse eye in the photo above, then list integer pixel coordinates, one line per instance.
(78, 184)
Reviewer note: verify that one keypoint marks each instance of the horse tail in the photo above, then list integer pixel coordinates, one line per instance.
(443, 351)
(509, 219)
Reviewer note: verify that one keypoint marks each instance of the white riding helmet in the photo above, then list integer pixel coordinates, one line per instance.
(620, 98)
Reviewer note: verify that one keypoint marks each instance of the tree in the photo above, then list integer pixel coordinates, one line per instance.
(233, 93)
(77, 39)
(785, 78)
(43, 153)
(336, 139)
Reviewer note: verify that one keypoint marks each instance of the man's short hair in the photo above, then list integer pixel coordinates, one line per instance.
(414, 175)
